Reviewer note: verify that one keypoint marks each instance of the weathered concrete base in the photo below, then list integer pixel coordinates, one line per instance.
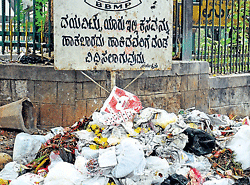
(63, 97)
(230, 94)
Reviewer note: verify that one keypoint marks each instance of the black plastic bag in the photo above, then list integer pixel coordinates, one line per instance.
(242, 181)
(199, 142)
(175, 179)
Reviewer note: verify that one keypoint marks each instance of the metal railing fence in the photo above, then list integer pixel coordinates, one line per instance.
(27, 26)
(216, 31)
(220, 34)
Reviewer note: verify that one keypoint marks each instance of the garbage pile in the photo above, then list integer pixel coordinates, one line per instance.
(126, 144)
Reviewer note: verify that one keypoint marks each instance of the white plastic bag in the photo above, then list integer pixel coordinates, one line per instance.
(54, 159)
(10, 171)
(130, 156)
(26, 147)
(63, 173)
(85, 135)
(28, 179)
(157, 165)
(107, 157)
(240, 144)
(223, 181)
(88, 153)
(80, 164)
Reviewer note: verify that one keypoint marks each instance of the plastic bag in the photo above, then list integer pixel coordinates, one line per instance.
(80, 165)
(54, 159)
(175, 179)
(28, 179)
(85, 135)
(240, 144)
(64, 174)
(107, 157)
(88, 153)
(223, 181)
(199, 142)
(10, 171)
(157, 117)
(157, 166)
(130, 155)
(26, 147)
(163, 118)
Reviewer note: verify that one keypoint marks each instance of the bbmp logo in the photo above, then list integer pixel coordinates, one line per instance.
(113, 5)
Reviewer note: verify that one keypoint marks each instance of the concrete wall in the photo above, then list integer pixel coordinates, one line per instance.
(63, 97)
(230, 94)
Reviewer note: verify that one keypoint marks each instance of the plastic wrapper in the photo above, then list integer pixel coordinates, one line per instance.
(121, 105)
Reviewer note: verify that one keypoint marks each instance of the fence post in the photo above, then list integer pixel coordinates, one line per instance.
(3, 26)
(187, 24)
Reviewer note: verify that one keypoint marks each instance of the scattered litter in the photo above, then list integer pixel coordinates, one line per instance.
(126, 144)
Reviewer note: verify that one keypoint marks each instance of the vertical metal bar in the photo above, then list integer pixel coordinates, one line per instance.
(41, 40)
(187, 24)
(248, 45)
(3, 26)
(216, 69)
(227, 59)
(225, 38)
(9, 13)
(212, 47)
(174, 18)
(15, 11)
(195, 53)
(205, 50)
(232, 31)
(11, 34)
(219, 56)
(221, 61)
(50, 34)
(34, 26)
(243, 44)
(201, 53)
(18, 26)
(199, 31)
(245, 59)
(238, 29)
(26, 37)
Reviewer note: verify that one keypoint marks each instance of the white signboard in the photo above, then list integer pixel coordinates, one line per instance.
(113, 34)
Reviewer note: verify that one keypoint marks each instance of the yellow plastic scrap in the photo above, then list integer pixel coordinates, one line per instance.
(4, 182)
(193, 125)
(112, 183)
(164, 119)
(138, 130)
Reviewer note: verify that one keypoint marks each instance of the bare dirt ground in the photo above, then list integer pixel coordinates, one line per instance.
(7, 139)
